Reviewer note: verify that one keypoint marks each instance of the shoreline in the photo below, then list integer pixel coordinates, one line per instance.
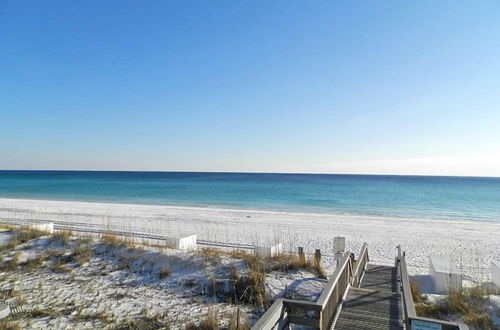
(240, 210)
(472, 243)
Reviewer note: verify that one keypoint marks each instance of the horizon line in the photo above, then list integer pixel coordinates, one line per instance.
(248, 172)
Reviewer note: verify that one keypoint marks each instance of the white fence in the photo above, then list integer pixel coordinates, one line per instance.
(269, 251)
(182, 242)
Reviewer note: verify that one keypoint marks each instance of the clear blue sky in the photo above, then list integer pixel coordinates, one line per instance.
(282, 86)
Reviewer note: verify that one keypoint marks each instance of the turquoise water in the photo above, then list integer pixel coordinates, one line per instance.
(460, 198)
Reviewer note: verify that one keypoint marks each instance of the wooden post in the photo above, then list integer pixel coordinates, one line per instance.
(317, 258)
(338, 249)
(238, 318)
(302, 256)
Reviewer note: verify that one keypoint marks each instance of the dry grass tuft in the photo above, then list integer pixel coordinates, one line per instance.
(239, 254)
(234, 273)
(21, 235)
(257, 288)
(9, 325)
(13, 263)
(112, 239)
(463, 303)
(63, 235)
(60, 266)
(156, 244)
(468, 305)
(253, 261)
(251, 289)
(286, 262)
(83, 251)
(211, 255)
(164, 272)
(129, 241)
(416, 293)
(208, 323)
(101, 316)
(19, 297)
(34, 263)
(7, 226)
(282, 262)
(144, 322)
(119, 295)
(56, 253)
(13, 242)
(46, 312)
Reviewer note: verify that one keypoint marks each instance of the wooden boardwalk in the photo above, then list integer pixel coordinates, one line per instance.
(375, 305)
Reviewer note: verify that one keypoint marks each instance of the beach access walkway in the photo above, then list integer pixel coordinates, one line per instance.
(358, 296)
(376, 304)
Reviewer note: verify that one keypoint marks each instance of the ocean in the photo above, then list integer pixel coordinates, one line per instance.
(422, 197)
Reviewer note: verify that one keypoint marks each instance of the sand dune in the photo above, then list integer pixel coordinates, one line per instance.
(471, 244)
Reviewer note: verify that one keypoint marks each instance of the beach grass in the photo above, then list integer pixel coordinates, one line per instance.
(469, 305)
(209, 322)
(65, 253)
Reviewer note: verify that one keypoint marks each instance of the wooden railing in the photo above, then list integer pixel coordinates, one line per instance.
(349, 272)
(276, 317)
(411, 320)
(318, 314)
(361, 264)
(332, 294)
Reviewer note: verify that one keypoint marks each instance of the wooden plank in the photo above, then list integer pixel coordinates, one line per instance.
(376, 305)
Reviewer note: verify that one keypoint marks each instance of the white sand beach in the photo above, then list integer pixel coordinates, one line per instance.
(471, 244)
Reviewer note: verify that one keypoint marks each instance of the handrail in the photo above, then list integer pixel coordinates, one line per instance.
(281, 311)
(361, 264)
(332, 295)
(409, 312)
(327, 291)
(408, 304)
(273, 316)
